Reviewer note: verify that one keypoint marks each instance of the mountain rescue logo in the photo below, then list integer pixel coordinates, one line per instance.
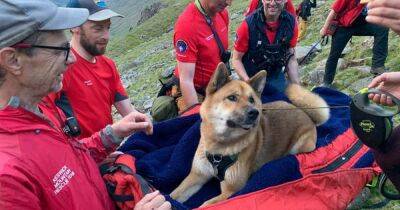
(88, 82)
(62, 178)
(181, 46)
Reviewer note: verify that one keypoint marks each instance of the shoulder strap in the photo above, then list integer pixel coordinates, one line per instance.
(209, 22)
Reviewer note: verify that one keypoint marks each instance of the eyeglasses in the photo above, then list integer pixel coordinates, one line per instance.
(276, 1)
(66, 48)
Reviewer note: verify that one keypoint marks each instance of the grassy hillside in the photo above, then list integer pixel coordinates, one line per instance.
(131, 9)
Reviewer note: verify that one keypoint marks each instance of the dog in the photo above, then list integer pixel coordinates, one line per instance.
(239, 134)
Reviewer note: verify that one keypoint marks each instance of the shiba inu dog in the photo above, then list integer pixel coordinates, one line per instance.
(239, 134)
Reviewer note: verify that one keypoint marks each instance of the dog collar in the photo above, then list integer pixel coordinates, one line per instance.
(221, 163)
(372, 122)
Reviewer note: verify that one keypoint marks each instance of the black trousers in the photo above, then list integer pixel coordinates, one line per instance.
(360, 27)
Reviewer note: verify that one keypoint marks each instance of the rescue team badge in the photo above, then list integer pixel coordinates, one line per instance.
(181, 46)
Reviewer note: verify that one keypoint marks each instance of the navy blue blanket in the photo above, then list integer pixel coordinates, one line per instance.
(165, 158)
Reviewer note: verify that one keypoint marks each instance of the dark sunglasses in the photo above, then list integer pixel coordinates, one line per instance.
(66, 48)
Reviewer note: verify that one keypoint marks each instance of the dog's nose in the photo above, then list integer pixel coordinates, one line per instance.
(252, 114)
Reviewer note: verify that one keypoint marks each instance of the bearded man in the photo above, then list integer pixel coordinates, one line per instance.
(92, 84)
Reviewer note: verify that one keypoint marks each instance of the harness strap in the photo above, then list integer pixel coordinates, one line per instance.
(221, 163)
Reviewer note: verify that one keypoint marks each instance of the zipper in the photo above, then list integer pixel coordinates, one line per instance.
(341, 160)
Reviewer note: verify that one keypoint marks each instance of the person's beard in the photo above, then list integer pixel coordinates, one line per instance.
(89, 47)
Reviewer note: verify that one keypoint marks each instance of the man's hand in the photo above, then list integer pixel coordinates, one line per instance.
(385, 13)
(323, 31)
(387, 82)
(133, 122)
(153, 201)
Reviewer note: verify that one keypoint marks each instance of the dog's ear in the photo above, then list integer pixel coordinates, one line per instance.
(218, 79)
(257, 82)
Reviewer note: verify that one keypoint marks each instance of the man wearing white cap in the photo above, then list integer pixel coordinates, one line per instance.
(41, 165)
(92, 85)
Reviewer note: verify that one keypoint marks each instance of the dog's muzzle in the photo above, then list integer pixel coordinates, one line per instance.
(249, 121)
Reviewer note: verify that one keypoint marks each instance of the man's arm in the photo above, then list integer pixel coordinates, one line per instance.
(186, 75)
(332, 15)
(124, 107)
(238, 65)
(292, 67)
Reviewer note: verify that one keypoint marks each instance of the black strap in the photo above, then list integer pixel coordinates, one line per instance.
(222, 50)
(145, 186)
(115, 197)
(221, 163)
(384, 191)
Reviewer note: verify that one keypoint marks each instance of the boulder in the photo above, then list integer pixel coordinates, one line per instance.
(360, 84)
(150, 11)
(316, 77)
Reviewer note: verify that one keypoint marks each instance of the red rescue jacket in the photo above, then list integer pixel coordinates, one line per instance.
(42, 168)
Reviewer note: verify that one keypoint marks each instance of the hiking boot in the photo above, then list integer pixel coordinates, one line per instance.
(378, 70)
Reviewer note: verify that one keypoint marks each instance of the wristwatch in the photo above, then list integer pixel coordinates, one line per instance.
(109, 132)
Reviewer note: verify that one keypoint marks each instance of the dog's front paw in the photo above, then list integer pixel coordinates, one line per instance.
(174, 195)
(211, 201)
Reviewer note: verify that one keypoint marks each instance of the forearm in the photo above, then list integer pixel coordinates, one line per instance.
(101, 143)
(292, 70)
(124, 107)
(239, 69)
(188, 93)
(332, 15)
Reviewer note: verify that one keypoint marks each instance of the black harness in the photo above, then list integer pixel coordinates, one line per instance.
(221, 163)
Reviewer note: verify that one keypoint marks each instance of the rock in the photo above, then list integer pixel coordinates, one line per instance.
(368, 43)
(150, 11)
(363, 69)
(173, 54)
(148, 104)
(321, 64)
(316, 77)
(341, 65)
(235, 16)
(346, 50)
(360, 84)
(356, 62)
(133, 64)
(360, 200)
(302, 51)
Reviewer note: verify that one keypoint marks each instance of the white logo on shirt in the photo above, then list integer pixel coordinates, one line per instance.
(210, 37)
(88, 82)
(62, 178)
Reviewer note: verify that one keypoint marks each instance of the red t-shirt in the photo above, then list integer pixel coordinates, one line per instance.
(347, 10)
(242, 36)
(254, 4)
(91, 89)
(195, 43)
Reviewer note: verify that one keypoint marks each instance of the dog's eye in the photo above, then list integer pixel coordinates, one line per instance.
(232, 98)
(251, 100)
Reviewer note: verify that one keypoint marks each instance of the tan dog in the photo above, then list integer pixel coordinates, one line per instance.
(242, 134)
